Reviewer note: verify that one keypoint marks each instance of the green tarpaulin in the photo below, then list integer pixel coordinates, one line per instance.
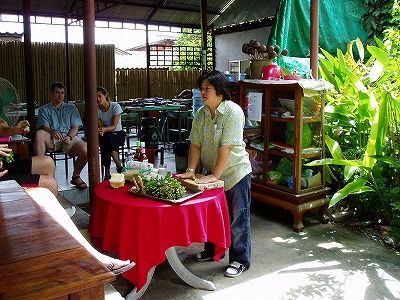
(340, 22)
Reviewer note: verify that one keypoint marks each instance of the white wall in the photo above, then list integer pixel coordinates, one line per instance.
(229, 46)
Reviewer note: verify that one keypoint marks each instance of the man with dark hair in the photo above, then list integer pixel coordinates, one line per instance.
(58, 123)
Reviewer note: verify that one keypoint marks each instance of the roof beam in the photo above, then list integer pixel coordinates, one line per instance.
(157, 7)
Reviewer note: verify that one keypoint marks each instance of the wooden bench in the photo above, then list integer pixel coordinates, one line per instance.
(39, 259)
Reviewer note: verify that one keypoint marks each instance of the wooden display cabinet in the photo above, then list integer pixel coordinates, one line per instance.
(292, 130)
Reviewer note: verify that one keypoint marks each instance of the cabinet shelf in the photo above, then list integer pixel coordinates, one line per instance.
(288, 143)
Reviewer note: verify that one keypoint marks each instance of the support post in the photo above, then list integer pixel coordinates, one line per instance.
(89, 53)
(314, 37)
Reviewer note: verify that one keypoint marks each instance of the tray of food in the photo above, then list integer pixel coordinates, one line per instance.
(188, 194)
(162, 188)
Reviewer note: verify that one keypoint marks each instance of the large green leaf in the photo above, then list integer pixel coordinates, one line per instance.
(334, 147)
(349, 172)
(377, 134)
(389, 160)
(364, 106)
(325, 68)
(381, 55)
(332, 161)
(357, 186)
(360, 49)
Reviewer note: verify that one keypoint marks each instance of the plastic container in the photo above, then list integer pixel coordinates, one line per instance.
(197, 100)
(149, 132)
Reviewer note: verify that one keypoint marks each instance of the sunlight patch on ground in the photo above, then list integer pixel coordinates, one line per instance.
(392, 284)
(278, 239)
(310, 280)
(331, 245)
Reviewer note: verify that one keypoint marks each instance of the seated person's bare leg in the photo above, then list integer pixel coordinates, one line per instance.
(49, 183)
(45, 199)
(43, 165)
(42, 142)
(79, 150)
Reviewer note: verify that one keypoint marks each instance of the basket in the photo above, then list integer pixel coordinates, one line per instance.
(256, 66)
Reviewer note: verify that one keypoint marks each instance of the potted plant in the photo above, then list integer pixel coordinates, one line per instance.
(261, 56)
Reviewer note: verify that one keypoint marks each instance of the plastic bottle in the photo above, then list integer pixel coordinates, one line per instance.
(129, 162)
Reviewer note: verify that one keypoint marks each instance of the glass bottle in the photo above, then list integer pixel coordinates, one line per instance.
(136, 156)
(143, 156)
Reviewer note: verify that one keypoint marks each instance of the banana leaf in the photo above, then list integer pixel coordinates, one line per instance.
(354, 187)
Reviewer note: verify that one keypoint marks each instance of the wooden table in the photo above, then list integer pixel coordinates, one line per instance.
(20, 146)
(39, 259)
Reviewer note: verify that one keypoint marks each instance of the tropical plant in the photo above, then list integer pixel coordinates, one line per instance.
(379, 15)
(362, 117)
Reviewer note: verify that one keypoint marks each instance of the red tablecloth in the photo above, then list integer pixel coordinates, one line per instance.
(142, 229)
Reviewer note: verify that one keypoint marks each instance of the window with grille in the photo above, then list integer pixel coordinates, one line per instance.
(186, 57)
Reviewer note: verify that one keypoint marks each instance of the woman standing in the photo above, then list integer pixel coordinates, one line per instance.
(217, 142)
(111, 135)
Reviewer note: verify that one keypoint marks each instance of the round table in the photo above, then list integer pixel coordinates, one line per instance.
(146, 230)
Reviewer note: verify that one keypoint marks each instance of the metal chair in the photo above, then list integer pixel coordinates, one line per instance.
(60, 155)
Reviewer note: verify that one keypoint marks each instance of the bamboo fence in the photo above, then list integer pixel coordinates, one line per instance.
(49, 65)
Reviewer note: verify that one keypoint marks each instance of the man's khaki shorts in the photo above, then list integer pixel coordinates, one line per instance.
(60, 146)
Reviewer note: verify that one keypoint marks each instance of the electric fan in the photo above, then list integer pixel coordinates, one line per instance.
(9, 102)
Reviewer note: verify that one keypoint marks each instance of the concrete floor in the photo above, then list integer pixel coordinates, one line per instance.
(322, 262)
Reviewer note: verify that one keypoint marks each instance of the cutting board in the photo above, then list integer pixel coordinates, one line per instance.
(190, 183)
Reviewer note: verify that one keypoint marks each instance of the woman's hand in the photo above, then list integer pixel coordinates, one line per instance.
(101, 131)
(207, 179)
(187, 174)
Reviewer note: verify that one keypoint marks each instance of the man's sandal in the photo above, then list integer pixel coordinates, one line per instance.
(234, 269)
(78, 182)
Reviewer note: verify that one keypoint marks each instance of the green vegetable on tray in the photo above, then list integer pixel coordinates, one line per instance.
(165, 187)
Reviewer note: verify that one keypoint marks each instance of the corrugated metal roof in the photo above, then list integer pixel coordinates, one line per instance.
(183, 13)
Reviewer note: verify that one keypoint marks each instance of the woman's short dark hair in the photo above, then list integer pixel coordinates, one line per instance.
(218, 81)
(55, 85)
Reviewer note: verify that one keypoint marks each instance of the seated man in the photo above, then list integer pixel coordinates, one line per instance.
(36, 171)
(58, 123)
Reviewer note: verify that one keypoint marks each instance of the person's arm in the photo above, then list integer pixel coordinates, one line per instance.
(6, 130)
(76, 122)
(114, 123)
(193, 160)
(71, 134)
(4, 151)
(222, 160)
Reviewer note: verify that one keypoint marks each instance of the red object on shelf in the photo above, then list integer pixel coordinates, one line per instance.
(271, 72)
(292, 77)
